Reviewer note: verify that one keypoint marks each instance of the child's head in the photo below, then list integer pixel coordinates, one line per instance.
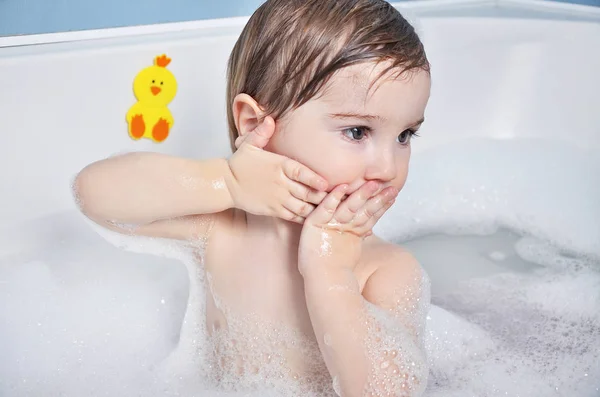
(346, 81)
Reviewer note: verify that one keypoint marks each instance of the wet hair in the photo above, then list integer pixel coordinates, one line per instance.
(289, 49)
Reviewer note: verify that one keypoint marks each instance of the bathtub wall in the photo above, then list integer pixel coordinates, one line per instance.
(63, 105)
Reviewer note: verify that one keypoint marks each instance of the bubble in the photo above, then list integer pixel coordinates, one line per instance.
(497, 256)
(337, 388)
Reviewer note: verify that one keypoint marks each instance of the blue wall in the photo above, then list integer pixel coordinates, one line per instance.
(43, 16)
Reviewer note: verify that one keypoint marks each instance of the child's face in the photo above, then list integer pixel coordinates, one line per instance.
(353, 135)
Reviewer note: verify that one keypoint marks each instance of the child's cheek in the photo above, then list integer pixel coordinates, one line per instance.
(402, 175)
(344, 173)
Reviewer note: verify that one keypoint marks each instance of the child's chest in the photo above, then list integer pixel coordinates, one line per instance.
(256, 314)
(250, 278)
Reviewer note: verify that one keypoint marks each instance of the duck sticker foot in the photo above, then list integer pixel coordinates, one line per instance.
(160, 132)
(138, 127)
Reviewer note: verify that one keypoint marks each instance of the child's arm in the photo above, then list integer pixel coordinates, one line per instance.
(366, 342)
(166, 196)
(138, 188)
(157, 194)
(364, 352)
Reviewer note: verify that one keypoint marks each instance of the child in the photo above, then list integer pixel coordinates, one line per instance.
(323, 99)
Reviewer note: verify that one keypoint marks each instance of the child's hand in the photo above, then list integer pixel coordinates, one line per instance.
(357, 214)
(335, 229)
(266, 183)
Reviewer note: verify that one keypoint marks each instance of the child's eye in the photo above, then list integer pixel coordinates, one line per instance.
(405, 136)
(356, 133)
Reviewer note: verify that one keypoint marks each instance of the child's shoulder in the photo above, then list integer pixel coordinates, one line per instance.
(379, 254)
(391, 268)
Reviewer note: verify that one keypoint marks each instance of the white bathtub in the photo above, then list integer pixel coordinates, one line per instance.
(63, 103)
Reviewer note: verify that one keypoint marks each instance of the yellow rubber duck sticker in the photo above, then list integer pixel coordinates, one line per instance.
(154, 87)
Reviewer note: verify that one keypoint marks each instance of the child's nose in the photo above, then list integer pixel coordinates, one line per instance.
(382, 167)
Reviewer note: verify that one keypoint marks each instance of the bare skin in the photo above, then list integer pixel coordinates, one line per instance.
(332, 181)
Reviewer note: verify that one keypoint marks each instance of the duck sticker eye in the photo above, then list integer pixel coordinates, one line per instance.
(150, 117)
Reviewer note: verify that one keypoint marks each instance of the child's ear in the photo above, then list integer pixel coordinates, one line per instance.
(247, 114)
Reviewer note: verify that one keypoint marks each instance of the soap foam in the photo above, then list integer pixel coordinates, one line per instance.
(90, 318)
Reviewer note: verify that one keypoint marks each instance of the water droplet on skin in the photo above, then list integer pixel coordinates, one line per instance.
(219, 184)
(325, 248)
